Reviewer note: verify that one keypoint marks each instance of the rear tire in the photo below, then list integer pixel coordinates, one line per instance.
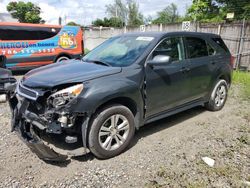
(111, 131)
(62, 58)
(218, 96)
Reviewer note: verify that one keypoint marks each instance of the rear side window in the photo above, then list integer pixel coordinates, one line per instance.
(27, 33)
(196, 47)
(210, 49)
(221, 43)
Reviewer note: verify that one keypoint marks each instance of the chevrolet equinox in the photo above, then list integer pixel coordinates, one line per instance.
(95, 104)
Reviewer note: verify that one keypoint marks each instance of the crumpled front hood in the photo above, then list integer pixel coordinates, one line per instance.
(73, 71)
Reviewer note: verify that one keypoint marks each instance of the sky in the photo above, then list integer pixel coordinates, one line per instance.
(85, 11)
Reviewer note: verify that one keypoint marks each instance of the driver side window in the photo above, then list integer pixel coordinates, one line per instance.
(170, 47)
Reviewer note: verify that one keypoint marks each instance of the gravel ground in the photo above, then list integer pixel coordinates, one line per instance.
(166, 153)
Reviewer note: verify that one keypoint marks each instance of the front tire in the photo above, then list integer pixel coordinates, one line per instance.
(111, 131)
(218, 96)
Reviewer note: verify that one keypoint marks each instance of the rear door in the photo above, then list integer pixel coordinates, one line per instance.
(202, 62)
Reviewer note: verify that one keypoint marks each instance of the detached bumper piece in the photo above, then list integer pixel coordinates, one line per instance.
(37, 145)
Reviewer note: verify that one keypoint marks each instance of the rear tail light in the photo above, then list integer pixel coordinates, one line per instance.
(232, 58)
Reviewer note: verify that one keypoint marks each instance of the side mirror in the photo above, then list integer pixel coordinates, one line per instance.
(2, 61)
(160, 60)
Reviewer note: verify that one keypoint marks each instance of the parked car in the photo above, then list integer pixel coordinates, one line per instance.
(96, 104)
(7, 81)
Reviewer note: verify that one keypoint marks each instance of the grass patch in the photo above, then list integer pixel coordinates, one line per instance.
(244, 139)
(243, 79)
(153, 184)
(230, 173)
(86, 51)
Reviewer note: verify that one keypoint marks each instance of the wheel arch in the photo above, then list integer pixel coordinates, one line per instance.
(222, 72)
(64, 54)
(226, 77)
(125, 101)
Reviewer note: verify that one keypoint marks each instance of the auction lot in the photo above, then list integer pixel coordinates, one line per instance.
(166, 153)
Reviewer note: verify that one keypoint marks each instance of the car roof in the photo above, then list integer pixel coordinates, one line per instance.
(164, 34)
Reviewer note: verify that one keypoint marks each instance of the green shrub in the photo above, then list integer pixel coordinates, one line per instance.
(86, 50)
(243, 79)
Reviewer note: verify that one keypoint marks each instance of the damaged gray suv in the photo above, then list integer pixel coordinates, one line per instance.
(95, 104)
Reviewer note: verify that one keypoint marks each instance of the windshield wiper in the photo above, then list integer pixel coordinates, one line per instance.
(98, 62)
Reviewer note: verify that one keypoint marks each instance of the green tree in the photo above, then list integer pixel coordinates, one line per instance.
(116, 22)
(148, 19)
(246, 13)
(72, 24)
(126, 12)
(205, 10)
(241, 8)
(216, 10)
(98, 22)
(134, 17)
(167, 15)
(108, 22)
(25, 12)
(118, 10)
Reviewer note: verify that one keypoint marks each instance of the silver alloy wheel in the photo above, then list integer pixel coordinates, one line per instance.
(63, 58)
(114, 132)
(220, 95)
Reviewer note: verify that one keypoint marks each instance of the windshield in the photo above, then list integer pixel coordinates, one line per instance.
(119, 51)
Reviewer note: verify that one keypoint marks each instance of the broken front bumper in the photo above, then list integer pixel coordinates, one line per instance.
(38, 146)
(26, 124)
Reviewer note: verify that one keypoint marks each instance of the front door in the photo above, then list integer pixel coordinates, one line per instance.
(167, 86)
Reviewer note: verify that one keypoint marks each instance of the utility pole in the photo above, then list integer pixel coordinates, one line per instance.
(116, 13)
(60, 20)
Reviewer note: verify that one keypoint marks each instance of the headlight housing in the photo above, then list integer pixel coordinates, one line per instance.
(65, 95)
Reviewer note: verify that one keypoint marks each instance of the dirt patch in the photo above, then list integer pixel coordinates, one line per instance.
(166, 153)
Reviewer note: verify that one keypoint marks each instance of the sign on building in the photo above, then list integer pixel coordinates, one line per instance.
(230, 15)
(142, 28)
(186, 26)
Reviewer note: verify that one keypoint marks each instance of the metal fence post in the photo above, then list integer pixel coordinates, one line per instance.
(240, 46)
(160, 27)
(196, 26)
(219, 29)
